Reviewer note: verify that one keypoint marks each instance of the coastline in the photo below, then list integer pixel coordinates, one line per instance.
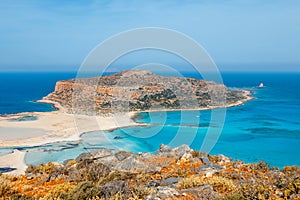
(55, 104)
(238, 103)
(61, 126)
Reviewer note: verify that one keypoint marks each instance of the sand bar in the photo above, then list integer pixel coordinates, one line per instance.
(15, 161)
(55, 127)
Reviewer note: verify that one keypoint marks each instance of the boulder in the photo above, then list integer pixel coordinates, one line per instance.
(181, 150)
(110, 189)
(171, 181)
(205, 160)
(131, 164)
(163, 193)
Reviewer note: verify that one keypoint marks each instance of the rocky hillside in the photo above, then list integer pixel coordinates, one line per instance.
(139, 90)
(179, 173)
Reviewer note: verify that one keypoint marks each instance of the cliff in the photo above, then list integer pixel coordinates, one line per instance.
(178, 173)
(140, 90)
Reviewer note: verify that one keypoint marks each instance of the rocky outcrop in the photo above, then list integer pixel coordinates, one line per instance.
(140, 90)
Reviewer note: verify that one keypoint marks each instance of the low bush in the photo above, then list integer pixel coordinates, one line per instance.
(60, 192)
(189, 183)
(221, 184)
(6, 188)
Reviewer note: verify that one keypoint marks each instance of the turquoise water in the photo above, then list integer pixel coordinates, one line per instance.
(266, 128)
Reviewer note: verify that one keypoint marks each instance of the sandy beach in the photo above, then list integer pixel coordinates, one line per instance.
(15, 161)
(55, 126)
(50, 127)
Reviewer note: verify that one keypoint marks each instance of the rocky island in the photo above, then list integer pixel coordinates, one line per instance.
(142, 90)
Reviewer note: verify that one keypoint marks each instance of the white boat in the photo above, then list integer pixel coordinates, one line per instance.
(261, 85)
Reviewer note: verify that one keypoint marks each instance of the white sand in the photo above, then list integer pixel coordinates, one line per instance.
(50, 127)
(14, 160)
(55, 127)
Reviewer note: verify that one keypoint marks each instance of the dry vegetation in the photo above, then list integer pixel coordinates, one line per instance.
(179, 176)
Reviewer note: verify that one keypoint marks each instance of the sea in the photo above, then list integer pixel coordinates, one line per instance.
(266, 128)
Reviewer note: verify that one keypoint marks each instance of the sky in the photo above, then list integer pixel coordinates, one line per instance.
(239, 35)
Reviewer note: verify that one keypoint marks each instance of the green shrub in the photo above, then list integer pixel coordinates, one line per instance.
(85, 190)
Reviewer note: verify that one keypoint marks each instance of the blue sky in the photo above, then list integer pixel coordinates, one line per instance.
(56, 35)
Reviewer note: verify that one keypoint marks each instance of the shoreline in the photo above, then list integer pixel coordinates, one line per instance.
(238, 103)
(59, 126)
(55, 133)
(55, 104)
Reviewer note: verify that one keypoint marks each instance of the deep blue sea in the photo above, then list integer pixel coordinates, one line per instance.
(266, 128)
(18, 91)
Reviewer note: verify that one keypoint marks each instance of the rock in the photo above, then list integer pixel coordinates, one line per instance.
(121, 155)
(104, 152)
(83, 156)
(164, 149)
(105, 156)
(110, 189)
(145, 156)
(217, 167)
(205, 160)
(163, 193)
(222, 160)
(210, 173)
(101, 153)
(209, 170)
(181, 150)
(196, 160)
(154, 183)
(186, 157)
(170, 181)
(131, 164)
